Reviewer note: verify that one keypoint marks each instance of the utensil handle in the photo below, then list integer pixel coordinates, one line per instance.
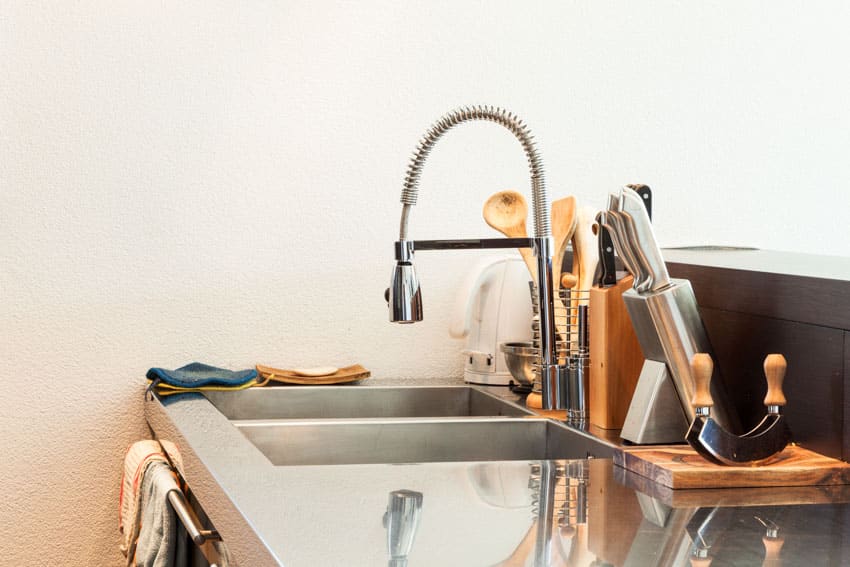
(772, 547)
(774, 370)
(701, 369)
(646, 194)
(608, 275)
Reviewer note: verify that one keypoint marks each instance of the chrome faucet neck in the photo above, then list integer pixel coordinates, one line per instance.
(540, 202)
(404, 295)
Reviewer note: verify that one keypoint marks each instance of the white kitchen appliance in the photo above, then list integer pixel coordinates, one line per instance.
(493, 306)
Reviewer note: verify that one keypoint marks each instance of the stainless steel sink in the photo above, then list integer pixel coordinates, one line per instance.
(347, 442)
(332, 402)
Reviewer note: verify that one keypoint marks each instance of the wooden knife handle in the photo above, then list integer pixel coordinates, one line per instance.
(774, 371)
(772, 547)
(701, 369)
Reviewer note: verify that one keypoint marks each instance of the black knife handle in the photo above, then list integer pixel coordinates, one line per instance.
(608, 273)
(646, 194)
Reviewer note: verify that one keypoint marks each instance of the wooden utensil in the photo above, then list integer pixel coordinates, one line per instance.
(563, 226)
(585, 251)
(341, 376)
(585, 258)
(506, 211)
(568, 281)
(534, 402)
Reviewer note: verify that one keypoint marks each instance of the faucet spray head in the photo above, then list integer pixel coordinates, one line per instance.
(404, 296)
(401, 520)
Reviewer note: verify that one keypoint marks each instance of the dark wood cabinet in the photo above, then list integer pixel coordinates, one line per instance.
(749, 314)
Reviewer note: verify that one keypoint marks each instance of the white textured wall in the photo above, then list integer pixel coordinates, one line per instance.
(219, 181)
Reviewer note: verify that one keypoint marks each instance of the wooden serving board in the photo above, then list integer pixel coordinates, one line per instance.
(735, 497)
(680, 467)
(341, 376)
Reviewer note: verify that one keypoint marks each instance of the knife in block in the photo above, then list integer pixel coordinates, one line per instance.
(616, 358)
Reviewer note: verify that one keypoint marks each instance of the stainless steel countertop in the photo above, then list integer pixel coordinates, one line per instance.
(475, 513)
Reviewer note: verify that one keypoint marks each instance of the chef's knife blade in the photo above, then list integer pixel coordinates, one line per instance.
(620, 237)
(644, 280)
(630, 248)
(632, 204)
(606, 220)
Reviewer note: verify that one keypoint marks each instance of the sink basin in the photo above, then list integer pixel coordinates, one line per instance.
(348, 442)
(333, 402)
(345, 425)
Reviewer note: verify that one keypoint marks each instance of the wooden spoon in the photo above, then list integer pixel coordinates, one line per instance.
(506, 211)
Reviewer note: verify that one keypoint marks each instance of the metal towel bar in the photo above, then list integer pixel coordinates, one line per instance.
(189, 519)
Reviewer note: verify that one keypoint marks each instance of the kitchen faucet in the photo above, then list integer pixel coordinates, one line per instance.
(404, 295)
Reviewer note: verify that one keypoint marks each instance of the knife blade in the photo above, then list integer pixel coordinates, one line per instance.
(606, 220)
(632, 204)
(614, 224)
(643, 277)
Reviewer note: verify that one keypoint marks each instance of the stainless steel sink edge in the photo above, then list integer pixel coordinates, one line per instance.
(346, 401)
(240, 423)
(291, 443)
(595, 448)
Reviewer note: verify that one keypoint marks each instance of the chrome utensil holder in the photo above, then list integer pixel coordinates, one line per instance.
(670, 331)
(572, 351)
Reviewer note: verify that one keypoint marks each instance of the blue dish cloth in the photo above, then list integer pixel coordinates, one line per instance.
(197, 375)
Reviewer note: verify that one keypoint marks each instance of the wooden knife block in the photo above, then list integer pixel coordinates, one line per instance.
(616, 358)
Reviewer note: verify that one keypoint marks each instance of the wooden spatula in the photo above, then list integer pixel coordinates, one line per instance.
(563, 227)
(585, 258)
(585, 251)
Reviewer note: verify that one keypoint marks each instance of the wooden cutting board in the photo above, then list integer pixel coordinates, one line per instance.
(343, 375)
(615, 356)
(680, 467)
(732, 497)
